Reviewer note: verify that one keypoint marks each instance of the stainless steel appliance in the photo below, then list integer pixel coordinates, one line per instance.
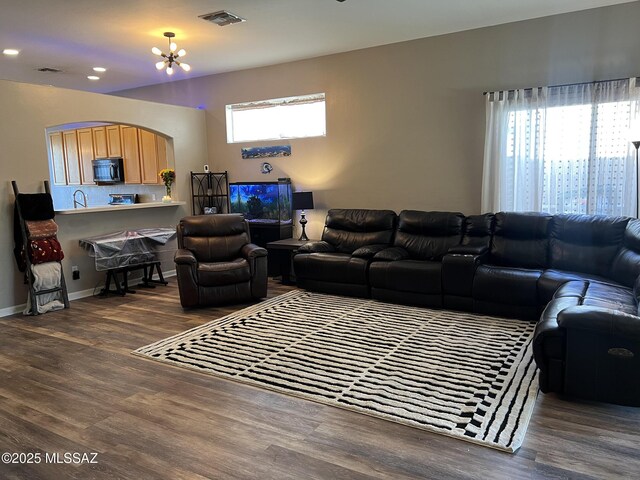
(107, 171)
(123, 198)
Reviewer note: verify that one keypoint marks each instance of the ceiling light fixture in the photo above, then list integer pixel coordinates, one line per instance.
(171, 57)
(99, 69)
(10, 51)
(93, 77)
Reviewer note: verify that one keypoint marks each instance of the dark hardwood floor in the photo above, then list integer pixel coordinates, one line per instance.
(69, 383)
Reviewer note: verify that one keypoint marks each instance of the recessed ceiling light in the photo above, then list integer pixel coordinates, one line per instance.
(93, 77)
(10, 51)
(99, 69)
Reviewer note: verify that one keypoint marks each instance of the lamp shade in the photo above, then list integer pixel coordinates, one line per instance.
(302, 201)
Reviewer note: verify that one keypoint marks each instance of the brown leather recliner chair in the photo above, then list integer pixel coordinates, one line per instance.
(216, 263)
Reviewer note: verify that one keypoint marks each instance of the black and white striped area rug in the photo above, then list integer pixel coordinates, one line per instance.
(468, 376)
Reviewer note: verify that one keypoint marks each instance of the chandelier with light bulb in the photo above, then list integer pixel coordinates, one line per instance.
(171, 57)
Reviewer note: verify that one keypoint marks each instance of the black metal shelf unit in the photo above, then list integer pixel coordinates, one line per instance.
(210, 193)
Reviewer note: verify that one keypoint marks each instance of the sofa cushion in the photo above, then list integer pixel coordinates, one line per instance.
(223, 273)
(506, 285)
(626, 265)
(428, 235)
(574, 288)
(606, 295)
(331, 267)
(392, 254)
(350, 229)
(418, 276)
(521, 240)
(551, 280)
(586, 243)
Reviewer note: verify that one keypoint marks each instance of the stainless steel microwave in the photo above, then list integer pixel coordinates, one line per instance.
(108, 170)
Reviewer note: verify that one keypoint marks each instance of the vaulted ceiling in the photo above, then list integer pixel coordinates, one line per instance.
(74, 36)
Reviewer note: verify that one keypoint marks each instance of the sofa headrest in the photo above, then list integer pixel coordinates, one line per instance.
(588, 244)
(479, 225)
(360, 220)
(432, 224)
(428, 235)
(522, 225)
(632, 235)
(589, 230)
(219, 225)
(625, 268)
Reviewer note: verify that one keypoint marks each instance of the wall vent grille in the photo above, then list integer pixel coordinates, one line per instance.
(222, 18)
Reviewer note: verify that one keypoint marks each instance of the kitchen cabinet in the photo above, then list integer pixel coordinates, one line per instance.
(148, 156)
(57, 158)
(130, 154)
(114, 140)
(99, 142)
(86, 154)
(72, 157)
(161, 147)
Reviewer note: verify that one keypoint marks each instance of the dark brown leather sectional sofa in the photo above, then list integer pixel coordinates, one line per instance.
(577, 275)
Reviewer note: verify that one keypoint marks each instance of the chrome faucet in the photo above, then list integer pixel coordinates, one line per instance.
(83, 199)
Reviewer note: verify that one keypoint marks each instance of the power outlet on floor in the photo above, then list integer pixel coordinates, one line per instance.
(75, 273)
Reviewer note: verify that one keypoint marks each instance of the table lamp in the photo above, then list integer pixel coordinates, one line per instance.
(302, 201)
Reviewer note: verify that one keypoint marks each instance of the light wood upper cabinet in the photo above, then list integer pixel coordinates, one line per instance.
(86, 152)
(130, 154)
(72, 156)
(148, 156)
(161, 148)
(57, 157)
(99, 142)
(114, 141)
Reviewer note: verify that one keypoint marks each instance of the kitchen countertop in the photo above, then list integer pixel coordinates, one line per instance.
(113, 208)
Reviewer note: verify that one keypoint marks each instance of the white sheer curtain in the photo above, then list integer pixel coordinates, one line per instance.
(561, 149)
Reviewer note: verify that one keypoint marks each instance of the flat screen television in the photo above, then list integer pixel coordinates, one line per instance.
(262, 202)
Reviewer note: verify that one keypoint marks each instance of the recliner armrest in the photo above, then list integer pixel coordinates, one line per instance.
(368, 251)
(392, 254)
(317, 247)
(600, 320)
(185, 257)
(251, 250)
(458, 272)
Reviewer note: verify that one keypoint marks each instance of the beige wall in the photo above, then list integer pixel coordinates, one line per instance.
(405, 122)
(27, 110)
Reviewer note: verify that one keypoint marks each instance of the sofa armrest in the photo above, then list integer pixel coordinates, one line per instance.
(368, 251)
(458, 271)
(185, 257)
(600, 320)
(251, 250)
(256, 256)
(392, 254)
(316, 247)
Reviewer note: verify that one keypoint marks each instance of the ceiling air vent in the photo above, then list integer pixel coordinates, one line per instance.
(49, 70)
(222, 18)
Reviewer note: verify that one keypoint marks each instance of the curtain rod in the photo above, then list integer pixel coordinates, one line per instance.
(565, 85)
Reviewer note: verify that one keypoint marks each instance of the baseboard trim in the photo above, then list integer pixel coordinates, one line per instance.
(8, 311)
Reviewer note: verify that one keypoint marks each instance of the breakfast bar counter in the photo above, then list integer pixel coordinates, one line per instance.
(114, 208)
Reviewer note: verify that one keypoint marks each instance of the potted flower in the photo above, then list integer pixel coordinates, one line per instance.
(168, 176)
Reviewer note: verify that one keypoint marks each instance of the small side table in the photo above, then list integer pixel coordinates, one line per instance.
(281, 253)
